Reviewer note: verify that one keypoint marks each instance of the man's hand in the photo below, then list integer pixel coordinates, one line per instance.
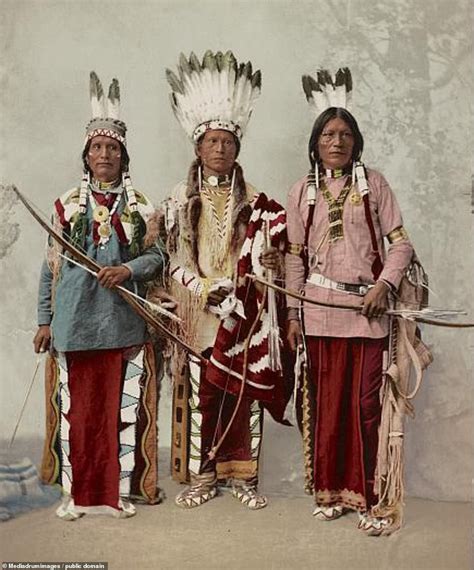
(376, 300)
(271, 259)
(293, 334)
(216, 297)
(159, 296)
(42, 339)
(110, 277)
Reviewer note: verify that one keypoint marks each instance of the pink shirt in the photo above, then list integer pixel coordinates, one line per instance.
(348, 260)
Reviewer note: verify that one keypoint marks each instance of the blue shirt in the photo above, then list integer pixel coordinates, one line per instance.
(86, 315)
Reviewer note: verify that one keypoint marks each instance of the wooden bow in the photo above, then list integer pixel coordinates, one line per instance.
(357, 308)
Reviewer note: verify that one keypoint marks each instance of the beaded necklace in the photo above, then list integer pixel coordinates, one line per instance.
(217, 226)
(335, 209)
(103, 216)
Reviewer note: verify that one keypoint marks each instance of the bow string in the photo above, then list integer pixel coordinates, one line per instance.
(94, 266)
(358, 308)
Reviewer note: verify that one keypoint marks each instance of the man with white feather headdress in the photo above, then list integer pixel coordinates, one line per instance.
(354, 374)
(101, 385)
(218, 229)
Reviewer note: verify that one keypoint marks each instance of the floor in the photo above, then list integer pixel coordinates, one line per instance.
(224, 534)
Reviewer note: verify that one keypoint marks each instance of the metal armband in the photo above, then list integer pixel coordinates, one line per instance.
(398, 234)
(295, 249)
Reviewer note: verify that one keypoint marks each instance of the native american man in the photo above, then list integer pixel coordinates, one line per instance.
(220, 228)
(101, 385)
(338, 217)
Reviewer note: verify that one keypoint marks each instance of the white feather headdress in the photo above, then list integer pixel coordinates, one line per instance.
(105, 111)
(326, 91)
(218, 93)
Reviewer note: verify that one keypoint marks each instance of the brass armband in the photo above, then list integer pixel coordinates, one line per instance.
(398, 234)
(295, 249)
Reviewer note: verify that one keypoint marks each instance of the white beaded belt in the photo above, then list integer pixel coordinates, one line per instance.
(321, 281)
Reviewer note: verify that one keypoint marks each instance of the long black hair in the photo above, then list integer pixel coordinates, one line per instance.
(124, 157)
(320, 123)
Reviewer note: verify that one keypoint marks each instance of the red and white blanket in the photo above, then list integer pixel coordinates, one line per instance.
(225, 368)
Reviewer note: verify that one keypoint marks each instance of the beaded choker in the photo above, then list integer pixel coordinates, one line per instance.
(222, 180)
(334, 173)
(106, 186)
(316, 177)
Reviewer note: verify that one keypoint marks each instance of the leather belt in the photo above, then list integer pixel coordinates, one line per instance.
(321, 281)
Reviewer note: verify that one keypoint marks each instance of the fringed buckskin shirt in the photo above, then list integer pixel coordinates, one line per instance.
(206, 324)
(346, 260)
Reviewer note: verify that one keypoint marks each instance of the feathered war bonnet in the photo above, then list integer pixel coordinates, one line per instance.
(218, 93)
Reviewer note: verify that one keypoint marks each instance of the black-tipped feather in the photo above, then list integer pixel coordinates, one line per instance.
(308, 83)
(219, 93)
(208, 61)
(219, 60)
(95, 86)
(194, 62)
(343, 77)
(248, 70)
(114, 90)
(229, 60)
(257, 79)
(324, 77)
(174, 82)
(184, 65)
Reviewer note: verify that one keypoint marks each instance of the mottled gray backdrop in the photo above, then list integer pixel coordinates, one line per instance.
(412, 72)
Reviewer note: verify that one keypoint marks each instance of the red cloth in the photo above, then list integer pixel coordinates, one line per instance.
(95, 387)
(346, 376)
(237, 444)
(225, 369)
(108, 201)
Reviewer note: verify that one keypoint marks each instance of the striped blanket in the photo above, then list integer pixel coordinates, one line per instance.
(21, 490)
(225, 369)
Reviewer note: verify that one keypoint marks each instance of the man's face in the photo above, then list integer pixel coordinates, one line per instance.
(335, 144)
(104, 158)
(217, 151)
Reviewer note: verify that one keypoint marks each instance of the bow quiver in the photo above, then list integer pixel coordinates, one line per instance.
(408, 356)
